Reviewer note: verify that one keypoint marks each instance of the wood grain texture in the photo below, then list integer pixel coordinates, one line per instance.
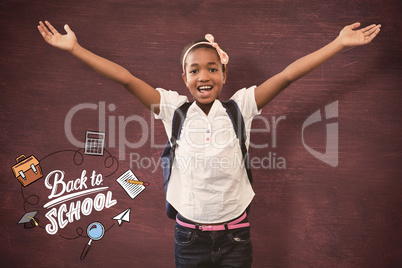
(308, 214)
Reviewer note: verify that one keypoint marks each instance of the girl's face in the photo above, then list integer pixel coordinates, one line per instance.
(204, 76)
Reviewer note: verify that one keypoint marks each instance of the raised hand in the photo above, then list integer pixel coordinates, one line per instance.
(350, 37)
(53, 37)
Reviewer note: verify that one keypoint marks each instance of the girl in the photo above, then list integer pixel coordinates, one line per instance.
(208, 187)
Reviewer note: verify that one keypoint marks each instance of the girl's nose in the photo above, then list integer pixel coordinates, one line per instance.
(203, 76)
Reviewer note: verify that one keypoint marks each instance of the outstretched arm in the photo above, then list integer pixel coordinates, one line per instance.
(148, 96)
(348, 37)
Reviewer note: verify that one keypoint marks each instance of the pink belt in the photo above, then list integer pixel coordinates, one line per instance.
(230, 225)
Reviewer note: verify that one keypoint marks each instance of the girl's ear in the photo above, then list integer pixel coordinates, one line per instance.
(183, 75)
(225, 75)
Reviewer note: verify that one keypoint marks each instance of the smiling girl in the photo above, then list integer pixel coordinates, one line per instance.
(211, 191)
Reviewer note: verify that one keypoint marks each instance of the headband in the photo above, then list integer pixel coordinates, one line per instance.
(222, 54)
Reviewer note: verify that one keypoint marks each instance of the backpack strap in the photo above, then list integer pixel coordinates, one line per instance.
(238, 124)
(168, 153)
(177, 123)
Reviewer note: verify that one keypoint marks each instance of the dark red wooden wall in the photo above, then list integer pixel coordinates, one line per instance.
(305, 214)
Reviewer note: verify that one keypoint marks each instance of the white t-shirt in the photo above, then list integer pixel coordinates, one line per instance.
(208, 181)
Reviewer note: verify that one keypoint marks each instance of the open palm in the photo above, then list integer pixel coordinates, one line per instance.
(54, 38)
(351, 37)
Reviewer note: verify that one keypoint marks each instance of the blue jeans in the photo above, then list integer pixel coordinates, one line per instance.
(196, 248)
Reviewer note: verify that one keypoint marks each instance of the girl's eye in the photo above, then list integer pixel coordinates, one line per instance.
(193, 71)
(213, 70)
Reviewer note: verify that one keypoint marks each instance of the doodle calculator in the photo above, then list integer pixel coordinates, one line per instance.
(94, 143)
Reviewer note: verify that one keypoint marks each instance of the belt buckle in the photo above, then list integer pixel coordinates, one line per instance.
(205, 228)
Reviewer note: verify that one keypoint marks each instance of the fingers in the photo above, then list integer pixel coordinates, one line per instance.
(47, 30)
(51, 28)
(369, 28)
(67, 28)
(42, 29)
(44, 32)
(374, 32)
(355, 25)
(371, 31)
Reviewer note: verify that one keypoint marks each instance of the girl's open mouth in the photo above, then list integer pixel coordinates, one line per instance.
(204, 89)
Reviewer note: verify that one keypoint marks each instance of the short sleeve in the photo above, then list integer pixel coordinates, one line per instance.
(245, 99)
(170, 101)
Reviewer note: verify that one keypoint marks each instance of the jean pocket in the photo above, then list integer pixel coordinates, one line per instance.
(241, 235)
(184, 236)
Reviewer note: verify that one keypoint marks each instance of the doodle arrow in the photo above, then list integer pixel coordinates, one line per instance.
(124, 216)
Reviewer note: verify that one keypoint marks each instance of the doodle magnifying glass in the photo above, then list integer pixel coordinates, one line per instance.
(95, 231)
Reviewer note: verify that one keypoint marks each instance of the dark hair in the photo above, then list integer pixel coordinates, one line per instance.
(200, 46)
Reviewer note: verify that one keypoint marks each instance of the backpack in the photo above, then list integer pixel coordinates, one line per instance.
(168, 153)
